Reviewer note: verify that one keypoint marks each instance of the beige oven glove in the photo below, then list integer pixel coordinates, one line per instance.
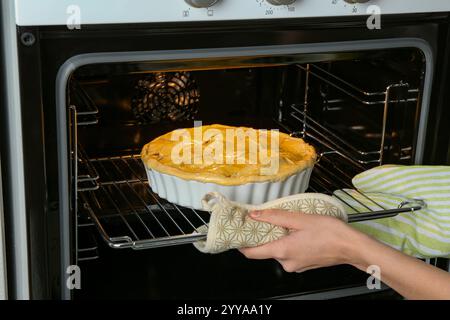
(230, 227)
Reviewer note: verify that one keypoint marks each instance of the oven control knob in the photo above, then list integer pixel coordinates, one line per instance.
(281, 2)
(356, 1)
(201, 3)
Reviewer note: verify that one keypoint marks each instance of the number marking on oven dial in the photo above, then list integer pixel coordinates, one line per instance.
(272, 7)
(354, 6)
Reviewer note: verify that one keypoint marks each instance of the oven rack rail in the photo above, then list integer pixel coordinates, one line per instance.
(129, 215)
(393, 95)
(86, 172)
(361, 95)
(87, 110)
(87, 247)
(327, 139)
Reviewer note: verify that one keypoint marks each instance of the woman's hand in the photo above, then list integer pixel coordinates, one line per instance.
(319, 241)
(314, 241)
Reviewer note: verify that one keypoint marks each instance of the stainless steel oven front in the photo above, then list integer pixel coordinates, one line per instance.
(364, 83)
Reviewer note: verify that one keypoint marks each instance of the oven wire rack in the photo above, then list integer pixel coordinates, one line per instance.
(125, 203)
(114, 195)
(129, 215)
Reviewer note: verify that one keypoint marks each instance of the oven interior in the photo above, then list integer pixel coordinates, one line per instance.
(359, 109)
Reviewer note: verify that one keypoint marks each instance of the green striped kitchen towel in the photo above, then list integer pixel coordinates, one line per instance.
(424, 233)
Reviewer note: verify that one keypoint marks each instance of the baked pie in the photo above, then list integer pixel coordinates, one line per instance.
(245, 164)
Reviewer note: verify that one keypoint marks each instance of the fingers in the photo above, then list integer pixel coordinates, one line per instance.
(289, 264)
(282, 218)
(305, 268)
(269, 250)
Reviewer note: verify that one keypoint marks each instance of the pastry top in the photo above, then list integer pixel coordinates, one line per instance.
(228, 155)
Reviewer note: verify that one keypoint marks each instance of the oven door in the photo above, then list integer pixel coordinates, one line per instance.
(181, 272)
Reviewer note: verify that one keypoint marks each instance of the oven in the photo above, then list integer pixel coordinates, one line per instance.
(363, 94)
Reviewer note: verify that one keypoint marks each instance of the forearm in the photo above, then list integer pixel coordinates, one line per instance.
(410, 277)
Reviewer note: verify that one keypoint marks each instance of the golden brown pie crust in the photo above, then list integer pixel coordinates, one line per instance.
(294, 156)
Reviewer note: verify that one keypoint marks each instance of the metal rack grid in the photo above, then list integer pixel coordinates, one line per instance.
(129, 215)
(329, 177)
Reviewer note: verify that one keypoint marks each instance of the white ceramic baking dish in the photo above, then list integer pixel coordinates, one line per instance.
(189, 193)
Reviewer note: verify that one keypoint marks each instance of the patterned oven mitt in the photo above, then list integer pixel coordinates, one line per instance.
(424, 233)
(231, 228)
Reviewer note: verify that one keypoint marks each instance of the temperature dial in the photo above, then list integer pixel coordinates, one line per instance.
(281, 2)
(201, 3)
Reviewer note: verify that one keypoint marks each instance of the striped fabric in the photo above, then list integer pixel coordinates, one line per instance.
(424, 233)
